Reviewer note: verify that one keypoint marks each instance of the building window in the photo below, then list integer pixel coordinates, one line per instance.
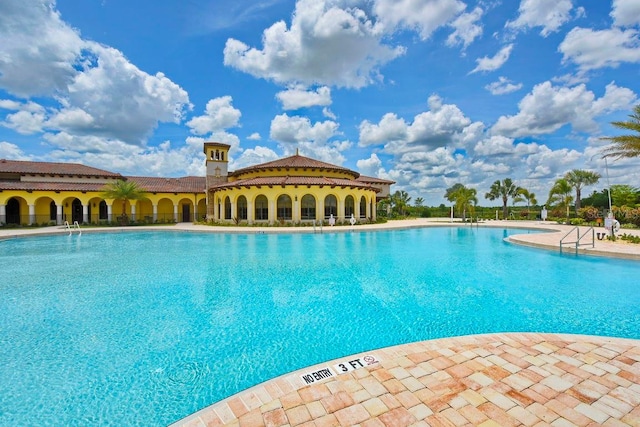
(53, 211)
(242, 208)
(104, 212)
(262, 208)
(349, 207)
(284, 208)
(308, 207)
(227, 208)
(363, 207)
(330, 206)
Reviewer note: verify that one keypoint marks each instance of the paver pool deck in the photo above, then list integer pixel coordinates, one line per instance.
(507, 379)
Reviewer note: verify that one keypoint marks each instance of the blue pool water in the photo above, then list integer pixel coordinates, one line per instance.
(146, 328)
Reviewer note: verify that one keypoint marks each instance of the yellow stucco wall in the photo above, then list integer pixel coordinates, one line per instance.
(35, 207)
(224, 203)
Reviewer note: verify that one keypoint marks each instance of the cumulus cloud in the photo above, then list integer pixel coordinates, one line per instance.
(296, 98)
(219, 114)
(591, 49)
(325, 45)
(95, 88)
(254, 156)
(548, 108)
(11, 151)
(548, 14)
(491, 64)
(466, 28)
(502, 86)
(390, 128)
(423, 16)
(625, 12)
(371, 166)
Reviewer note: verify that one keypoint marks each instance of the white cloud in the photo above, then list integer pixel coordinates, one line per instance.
(325, 45)
(466, 28)
(371, 166)
(296, 98)
(502, 86)
(625, 12)
(254, 156)
(424, 16)
(38, 50)
(254, 137)
(219, 114)
(24, 122)
(390, 128)
(548, 14)
(497, 61)
(592, 49)
(11, 151)
(548, 108)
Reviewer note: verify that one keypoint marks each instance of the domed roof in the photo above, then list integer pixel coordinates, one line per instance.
(295, 162)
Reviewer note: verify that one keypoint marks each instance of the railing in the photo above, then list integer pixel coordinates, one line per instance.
(76, 226)
(579, 238)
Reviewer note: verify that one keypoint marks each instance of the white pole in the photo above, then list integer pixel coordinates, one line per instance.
(451, 220)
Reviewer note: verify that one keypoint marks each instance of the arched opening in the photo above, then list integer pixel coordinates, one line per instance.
(349, 207)
(330, 206)
(103, 211)
(262, 208)
(227, 208)
(76, 211)
(363, 207)
(284, 208)
(53, 211)
(13, 211)
(308, 207)
(242, 208)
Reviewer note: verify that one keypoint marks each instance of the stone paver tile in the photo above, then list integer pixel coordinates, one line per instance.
(407, 399)
(352, 415)
(412, 384)
(237, 406)
(523, 416)
(399, 373)
(481, 379)
(252, 419)
(542, 412)
(473, 414)
(455, 417)
(336, 402)
(556, 383)
(313, 393)
(373, 386)
(474, 398)
(389, 400)
(375, 406)
(591, 412)
(298, 415)
(398, 417)
(275, 418)
(316, 409)
(439, 420)
(497, 414)
(394, 386)
(568, 413)
(373, 422)
(328, 420)
(420, 411)
(519, 397)
(382, 374)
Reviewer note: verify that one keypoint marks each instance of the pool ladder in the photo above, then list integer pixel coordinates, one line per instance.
(579, 238)
(70, 229)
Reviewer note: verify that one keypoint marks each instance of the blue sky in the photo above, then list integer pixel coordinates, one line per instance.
(427, 93)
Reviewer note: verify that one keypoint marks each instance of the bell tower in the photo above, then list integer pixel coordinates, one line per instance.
(217, 162)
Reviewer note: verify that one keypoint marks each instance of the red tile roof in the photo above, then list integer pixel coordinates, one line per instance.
(187, 184)
(371, 179)
(295, 180)
(49, 168)
(292, 162)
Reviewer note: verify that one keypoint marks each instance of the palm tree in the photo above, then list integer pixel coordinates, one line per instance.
(418, 202)
(503, 190)
(625, 145)
(400, 200)
(463, 197)
(560, 194)
(125, 191)
(578, 178)
(525, 195)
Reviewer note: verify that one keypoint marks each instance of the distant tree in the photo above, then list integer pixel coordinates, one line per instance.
(578, 178)
(463, 198)
(525, 195)
(598, 199)
(560, 194)
(504, 190)
(125, 191)
(400, 201)
(625, 145)
(418, 202)
(624, 195)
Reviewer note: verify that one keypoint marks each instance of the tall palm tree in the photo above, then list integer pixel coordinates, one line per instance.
(418, 202)
(125, 191)
(578, 178)
(400, 200)
(463, 197)
(503, 190)
(525, 195)
(625, 145)
(560, 194)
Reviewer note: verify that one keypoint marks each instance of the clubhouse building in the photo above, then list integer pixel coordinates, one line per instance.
(290, 190)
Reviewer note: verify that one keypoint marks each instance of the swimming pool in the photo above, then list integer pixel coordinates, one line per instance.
(146, 328)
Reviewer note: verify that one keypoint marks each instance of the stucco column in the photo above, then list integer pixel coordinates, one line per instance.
(175, 212)
(372, 210)
(295, 215)
(340, 208)
(155, 212)
(250, 211)
(85, 214)
(3, 214)
(133, 212)
(233, 209)
(58, 213)
(32, 214)
(272, 211)
(320, 208)
(109, 212)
